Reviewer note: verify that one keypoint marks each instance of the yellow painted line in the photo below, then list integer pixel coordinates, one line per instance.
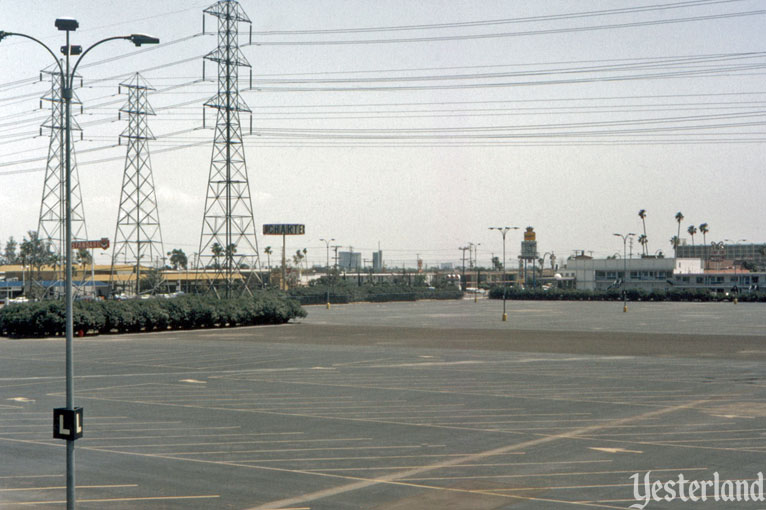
(164, 428)
(356, 448)
(683, 433)
(381, 457)
(563, 487)
(615, 450)
(238, 434)
(23, 489)
(612, 501)
(664, 445)
(226, 443)
(324, 470)
(31, 476)
(293, 414)
(396, 478)
(115, 500)
(582, 473)
(671, 442)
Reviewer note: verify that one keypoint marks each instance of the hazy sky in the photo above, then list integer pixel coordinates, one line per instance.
(419, 124)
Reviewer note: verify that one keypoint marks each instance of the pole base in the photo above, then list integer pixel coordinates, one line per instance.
(328, 305)
(736, 301)
(505, 317)
(625, 308)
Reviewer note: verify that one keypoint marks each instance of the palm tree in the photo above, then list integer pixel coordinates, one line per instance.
(679, 219)
(642, 239)
(217, 250)
(674, 242)
(704, 229)
(642, 215)
(268, 253)
(692, 230)
(305, 258)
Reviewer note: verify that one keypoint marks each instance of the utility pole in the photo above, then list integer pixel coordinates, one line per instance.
(463, 249)
(327, 244)
(335, 248)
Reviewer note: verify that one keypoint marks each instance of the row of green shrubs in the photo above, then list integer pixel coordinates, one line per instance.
(47, 318)
(349, 292)
(703, 295)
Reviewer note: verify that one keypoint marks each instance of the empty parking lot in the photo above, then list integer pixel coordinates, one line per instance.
(396, 406)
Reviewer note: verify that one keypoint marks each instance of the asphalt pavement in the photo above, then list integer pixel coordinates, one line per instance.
(396, 406)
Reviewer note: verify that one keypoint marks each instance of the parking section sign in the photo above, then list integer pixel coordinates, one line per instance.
(284, 229)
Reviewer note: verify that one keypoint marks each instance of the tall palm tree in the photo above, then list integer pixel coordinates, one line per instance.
(230, 251)
(305, 258)
(268, 253)
(704, 229)
(679, 219)
(642, 215)
(692, 230)
(217, 250)
(642, 239)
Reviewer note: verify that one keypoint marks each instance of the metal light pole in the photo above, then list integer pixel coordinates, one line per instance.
(70, 424)
(504, 231)
(624, 267)
(327, 244)
(475, 248)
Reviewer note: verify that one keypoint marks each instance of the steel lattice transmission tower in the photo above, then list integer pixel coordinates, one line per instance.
(228, 240)
(50, 227)
(137, 238)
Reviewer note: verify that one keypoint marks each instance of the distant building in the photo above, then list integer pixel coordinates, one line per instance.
(660, 273)
(349, 260)
(601, 274)
(446, 266)
(377, 261)
(753, 253)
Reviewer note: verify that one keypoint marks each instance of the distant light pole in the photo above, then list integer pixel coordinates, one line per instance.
(475, 248)
(624, 267)
(504, 231)
(327, 244)
(70, 25)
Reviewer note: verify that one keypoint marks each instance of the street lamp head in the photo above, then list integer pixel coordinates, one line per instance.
(3, 35)
(139, 39)
(67, 24)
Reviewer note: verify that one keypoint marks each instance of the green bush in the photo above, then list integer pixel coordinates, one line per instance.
(47, 318)
(347, 291)
(671, 294)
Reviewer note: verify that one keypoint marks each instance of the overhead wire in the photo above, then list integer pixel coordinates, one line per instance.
(550, 31)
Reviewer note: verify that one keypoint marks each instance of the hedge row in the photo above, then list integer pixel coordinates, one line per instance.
(345, 293)
(47, 318)
(616, 295)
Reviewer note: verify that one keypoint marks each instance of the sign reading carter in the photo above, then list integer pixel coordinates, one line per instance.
(284, 229)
